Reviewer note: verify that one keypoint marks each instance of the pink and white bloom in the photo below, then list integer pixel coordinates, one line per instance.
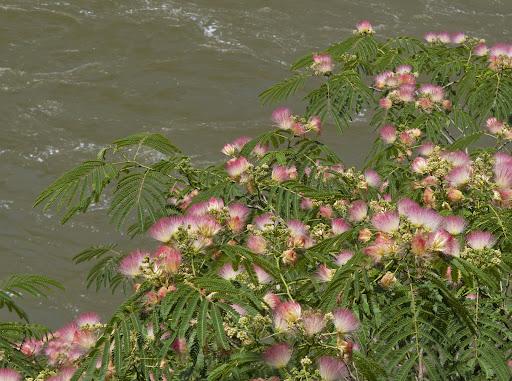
(419, 165)
(358, 211)
(306, 204)
(262, 275)
(271, 299)
(236, 166)
(282, 116)
(345, 320)
(169, 259)
(454, 224)
(458, 37)
(278, 355)
(257, 244)
(494, 125)
(480, 50)
(87, 319)
(130, 265)
(480, 240)
(388, 133)
(324, 274)
(238, 214)
(315, 124)
(265, 221)
(228, 272)
(313, 322)
(364, 27)
(458, 175)
(386, 222)
(332, 369)
(64, 374)
(343, 257)
(166, 228)
(290, 311)
(426, 149)
(372, 178)
(8, 374)
(339, 226)
(425, 217)
(322, 63)
(433, 92)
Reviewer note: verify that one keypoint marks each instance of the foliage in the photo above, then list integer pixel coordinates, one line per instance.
(283, 264)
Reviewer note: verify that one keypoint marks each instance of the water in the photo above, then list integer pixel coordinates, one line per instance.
(74, 75)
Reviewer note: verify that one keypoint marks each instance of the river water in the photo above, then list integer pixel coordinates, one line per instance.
(74, 75)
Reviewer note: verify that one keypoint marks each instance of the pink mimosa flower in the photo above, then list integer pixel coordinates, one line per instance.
(64, 374)
(237, 166)
(343, 257)
(260, 150)
(130, 265)
(271, 299)
(444, 37)
(434, 92)
(480, 240)
(278, 355)
(339, 226)
(180, 345)
(306, 204)
(494, 125)
(228, 272)
(239, 309)
(480, 50)
(313, 322)
(345, 321)
(386, 222)
(280, 173)
(262, 275)
(8, 374)
(381, 80)
(454, 224)
(324, 274)
(257, 244)
(372, 178)
(385, 103)
(283, 118)
(322, 63)
(290, 311)
(169, 258)
(165, 228)
(315, 124)
(430, 37)
(364, 27)
(238, 214)
(325, 211)
(358, 211)
(87, 319)
(426, 149)
(388, 134)
(332, 369)
(458, 37)
(458, 175)
(419, 165)
(457, 158)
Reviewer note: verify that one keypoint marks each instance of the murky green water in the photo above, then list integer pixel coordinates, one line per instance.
(75, 75)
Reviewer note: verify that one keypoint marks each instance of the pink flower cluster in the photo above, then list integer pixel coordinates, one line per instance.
(499, 128)
(322, 64)
(285, 120)
(499, 55)
(445, 37)
(400, 87)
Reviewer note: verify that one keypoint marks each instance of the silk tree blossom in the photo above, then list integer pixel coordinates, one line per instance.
(228, 272)
(237, 166)
(8, 374)
(424, 217)
(339, 226)
(31, 347)
(364, 27)
(458, 176)
(372, 178)
(324, 274)
(257, 244)
(313, 322)
(260, 150)
(480, 240)
(343, 257)
(166, 228)
(131, 265)
(388, 134)
(278, 355)
(315, 124)
(385, 103)
(480, 50)
(419, 165)
(454, 224)
(233, 148)
(457, 158)
(272, 300)
(325, 211)
(322, 63)
(306, 203)
(238, 214)
(345, 321)
(283, 118)
(299, 234)
(358, 211)
(386, 222)
(441, 241)
(265, 222)
(494, 125)
(289, 311)
(281, 173)
(169, 259)
(332, 369)
(87, 319)
(426, 149)
(458, 37)
(262, 276)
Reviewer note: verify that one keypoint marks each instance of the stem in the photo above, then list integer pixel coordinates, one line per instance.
(416, 329)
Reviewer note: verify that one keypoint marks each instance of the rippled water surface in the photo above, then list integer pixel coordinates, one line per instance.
(74, 75)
